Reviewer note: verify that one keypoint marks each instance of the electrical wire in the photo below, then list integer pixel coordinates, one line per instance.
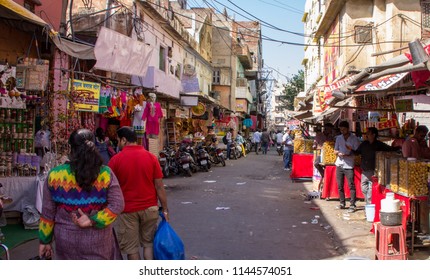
(287, 9)
(279, 41)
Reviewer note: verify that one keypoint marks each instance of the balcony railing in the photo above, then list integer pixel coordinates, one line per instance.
(244, 55)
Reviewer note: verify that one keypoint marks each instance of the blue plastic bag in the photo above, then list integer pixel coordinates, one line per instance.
(167, 244)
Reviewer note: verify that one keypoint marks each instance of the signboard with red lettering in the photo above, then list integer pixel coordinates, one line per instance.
(382, 83)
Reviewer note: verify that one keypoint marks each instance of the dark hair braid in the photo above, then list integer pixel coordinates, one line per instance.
(85, 160)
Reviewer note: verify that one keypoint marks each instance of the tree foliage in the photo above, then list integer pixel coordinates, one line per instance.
(294, 85)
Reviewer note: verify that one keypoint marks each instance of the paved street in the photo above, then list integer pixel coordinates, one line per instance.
(250, 209)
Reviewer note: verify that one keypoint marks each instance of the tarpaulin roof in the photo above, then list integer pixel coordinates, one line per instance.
(10, 10)
(21, 18)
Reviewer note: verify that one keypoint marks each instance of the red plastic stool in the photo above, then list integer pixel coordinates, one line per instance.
(390, 242)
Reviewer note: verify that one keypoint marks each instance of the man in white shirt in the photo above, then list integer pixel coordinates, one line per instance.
(279, 137)
(256, 138)
(288, 150)
(345, 164)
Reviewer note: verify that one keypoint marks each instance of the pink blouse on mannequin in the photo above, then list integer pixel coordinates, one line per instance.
(152, 115)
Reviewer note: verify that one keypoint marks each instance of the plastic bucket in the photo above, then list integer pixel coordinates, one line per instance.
(370, 212)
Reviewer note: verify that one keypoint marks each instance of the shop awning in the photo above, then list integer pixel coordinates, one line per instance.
(302, 115)
(74, 49)
(332, 113)
(11, 11)
(19, 17)
(382, 83)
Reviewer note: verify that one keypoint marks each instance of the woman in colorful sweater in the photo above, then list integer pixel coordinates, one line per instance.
(81, 200)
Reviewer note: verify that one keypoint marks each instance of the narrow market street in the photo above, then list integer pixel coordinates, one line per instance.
(251, 210)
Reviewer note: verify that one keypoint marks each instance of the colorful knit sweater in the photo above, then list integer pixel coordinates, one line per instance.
(66, 194)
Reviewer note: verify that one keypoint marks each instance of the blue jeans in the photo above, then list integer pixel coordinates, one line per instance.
(228, 150)
(287, 158)
(264, 146)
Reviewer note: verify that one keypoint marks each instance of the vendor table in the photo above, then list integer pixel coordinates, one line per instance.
(330, 190)
(408, 205)
(302, 166)
(21, 189)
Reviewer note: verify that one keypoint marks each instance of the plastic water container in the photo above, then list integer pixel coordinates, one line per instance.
(370, 212)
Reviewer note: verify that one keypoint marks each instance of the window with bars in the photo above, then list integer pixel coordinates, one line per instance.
(363, 34)
(425, 19)
(280, 108)
(216, 79)
(162, 65)
(279, 119)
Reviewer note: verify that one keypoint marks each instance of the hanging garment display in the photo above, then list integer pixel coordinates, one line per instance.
(152, 116)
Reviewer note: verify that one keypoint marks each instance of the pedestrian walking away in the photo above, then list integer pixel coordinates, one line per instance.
(140, 177)
(265, 140)
(256, 138)
(81, 200)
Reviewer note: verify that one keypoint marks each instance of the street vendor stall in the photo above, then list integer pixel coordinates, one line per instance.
(408, 179)
(330, 188)
(303, 159)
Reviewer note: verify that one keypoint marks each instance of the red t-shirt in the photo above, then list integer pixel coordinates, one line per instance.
(136, 169)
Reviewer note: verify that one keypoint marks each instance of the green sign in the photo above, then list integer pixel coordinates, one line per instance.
(404, 105)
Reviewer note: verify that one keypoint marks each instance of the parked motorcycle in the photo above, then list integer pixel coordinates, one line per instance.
(202, 157)
(184, 161)
(235, 150)
(216, 155)
(166, 158)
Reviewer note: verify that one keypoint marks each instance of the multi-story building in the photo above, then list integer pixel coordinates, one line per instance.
(345, 37)
(277, 112)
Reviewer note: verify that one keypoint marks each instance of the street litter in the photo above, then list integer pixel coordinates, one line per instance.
(304, 223)
(294, 226)
(241, 183)
(209, 181)
(222, 208)
(314, 221)
(313, 195)
(327, 227)
(317, 217)
(186, 202)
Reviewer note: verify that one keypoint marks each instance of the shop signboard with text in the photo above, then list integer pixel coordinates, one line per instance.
(86, 95)
(404, 105)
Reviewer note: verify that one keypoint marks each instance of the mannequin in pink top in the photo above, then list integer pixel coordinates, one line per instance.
(152, 115)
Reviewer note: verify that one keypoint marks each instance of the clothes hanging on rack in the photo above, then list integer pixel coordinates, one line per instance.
(152, 116)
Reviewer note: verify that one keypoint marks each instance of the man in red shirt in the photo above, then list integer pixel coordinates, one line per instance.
(416, 146)
(140, 177)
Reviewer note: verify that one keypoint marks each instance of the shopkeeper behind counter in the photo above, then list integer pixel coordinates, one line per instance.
(416, 146)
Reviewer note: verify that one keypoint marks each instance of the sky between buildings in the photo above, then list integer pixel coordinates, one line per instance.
(281, 58)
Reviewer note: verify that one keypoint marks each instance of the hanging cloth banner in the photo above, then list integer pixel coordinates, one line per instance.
(118, 53)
